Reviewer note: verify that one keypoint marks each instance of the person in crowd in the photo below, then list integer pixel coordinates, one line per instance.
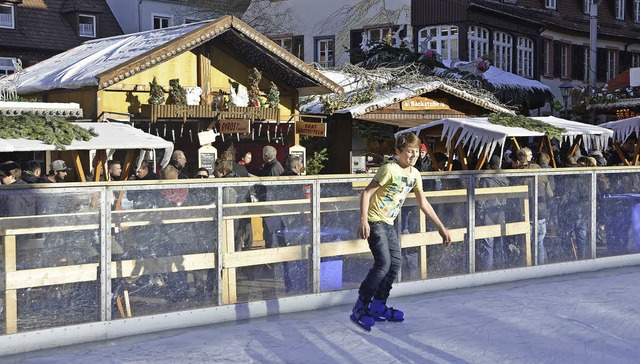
(57, 172)
(32, 173)
(545, 195)
(599, 157)
(424, 162)
(490, 253)
(179, 162)
(114, 168)
(573, 203)
(380, 204)
(144, 198)
(239, 169)
(543, 160)
(271, 167)
(245, 158)
(202, 173)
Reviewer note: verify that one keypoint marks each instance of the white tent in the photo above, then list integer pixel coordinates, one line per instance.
(111, 136)
(481, 135)
(622, 129)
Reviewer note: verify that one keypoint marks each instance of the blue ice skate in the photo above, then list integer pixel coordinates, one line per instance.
(360, 315)
(380, 312)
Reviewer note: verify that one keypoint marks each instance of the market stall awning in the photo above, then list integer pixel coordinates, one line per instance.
(622, 129)
(481, 135)
(110, 136)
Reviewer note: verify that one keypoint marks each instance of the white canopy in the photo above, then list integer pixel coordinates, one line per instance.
(110, 136)
(480, 134)
(622, 129)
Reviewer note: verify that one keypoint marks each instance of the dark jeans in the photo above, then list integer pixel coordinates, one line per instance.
(383, 243)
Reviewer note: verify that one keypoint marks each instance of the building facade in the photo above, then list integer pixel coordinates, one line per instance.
(543, 40)
(34, 30)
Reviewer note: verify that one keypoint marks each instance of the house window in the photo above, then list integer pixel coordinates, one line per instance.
(502, 49)
(587, 63)
(550, 4)
(547, 49)
(525, 57)
(635, 60)
(284, 42)
(612, 65)
(377, 35)
(6, 17)
(87, 25)
(478, 42)
(161, 21)
(442, 39)
(636, 11)
(6, 66)
(620, 9)
(325, 51)
(587, 6)
(565, 50)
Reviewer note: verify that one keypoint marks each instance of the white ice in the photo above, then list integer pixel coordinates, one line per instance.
(580, 318)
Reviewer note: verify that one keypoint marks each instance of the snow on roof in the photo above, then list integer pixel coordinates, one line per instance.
(80, 66)
(110, 136)
(385, 98)
(501, 78)
(479, 134)
(622, 129)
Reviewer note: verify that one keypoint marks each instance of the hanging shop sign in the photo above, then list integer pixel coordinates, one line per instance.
(311, 129)
(424, 103)
(233, 126)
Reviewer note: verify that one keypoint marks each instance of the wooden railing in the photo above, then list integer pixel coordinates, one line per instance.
(12, 227)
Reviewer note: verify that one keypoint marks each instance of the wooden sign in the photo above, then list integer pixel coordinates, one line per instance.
(232, 126)
(423, 103)
(311, 129)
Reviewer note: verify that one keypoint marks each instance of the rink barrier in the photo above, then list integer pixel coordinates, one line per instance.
(13, 279)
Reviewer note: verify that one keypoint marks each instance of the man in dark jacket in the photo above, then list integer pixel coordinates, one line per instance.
(32, 173)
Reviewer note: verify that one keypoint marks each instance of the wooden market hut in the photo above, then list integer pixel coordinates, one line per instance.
(111, 78)
(465, 136)
(625, 134)
(369, 127)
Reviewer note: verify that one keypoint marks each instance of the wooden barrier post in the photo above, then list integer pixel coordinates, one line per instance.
(10, 295)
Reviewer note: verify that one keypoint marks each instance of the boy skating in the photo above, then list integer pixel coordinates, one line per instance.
(380, 204)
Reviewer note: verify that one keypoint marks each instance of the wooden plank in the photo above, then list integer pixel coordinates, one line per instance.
(423, 259)
(78, 164)
(576, 145)
(266, 256)
(147, 266)
(10, 294)
(623, 158)
(52, 276)
(229, 293)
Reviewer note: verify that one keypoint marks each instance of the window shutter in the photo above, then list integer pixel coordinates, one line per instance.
(577, 62)
(557, 58)
(297, 46)
(625, 61)
(601, 67)
(355, 52)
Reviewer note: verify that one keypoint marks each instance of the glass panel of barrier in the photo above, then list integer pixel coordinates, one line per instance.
(345, 258)
(618, 213)
(163, 248)
(50, 258)
(569, 228)
(266, 242)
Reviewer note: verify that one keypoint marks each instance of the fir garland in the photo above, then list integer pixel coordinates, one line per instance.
(49, 129)
(519, 121)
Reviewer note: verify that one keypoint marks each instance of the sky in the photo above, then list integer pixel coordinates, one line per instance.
(580, 318)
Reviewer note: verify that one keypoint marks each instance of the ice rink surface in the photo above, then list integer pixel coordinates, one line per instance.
(580, 318)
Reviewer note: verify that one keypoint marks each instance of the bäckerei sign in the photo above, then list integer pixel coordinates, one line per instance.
(423, 103)
(311, 129)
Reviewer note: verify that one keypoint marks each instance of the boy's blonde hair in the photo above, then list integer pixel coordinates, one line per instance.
(407, 139)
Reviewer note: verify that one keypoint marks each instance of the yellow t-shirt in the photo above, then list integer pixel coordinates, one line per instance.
(395, 184)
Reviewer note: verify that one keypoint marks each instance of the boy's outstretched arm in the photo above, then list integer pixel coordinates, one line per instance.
(365, 198)
(428, 210)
